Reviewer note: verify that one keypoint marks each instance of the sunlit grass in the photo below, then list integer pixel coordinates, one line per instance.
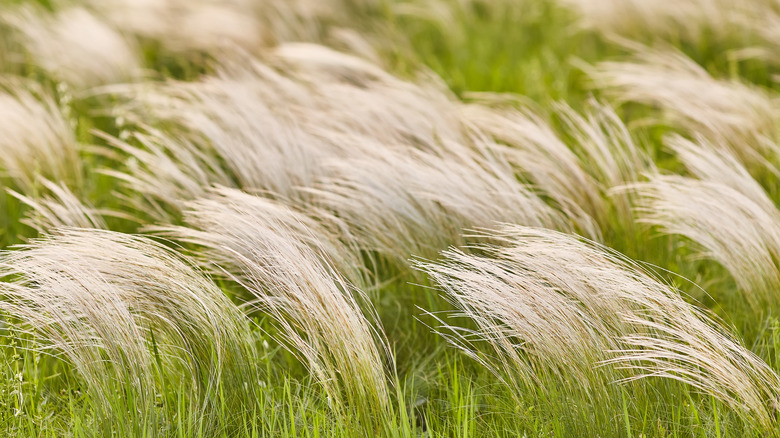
(354, 173)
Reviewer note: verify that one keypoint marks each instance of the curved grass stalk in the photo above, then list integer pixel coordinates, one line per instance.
(59, 209)
(37, 138)
(726, 212)
(551, 304)
(290, 265)
(135, 320)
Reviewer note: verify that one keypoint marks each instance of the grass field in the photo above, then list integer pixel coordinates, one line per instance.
(401, 218)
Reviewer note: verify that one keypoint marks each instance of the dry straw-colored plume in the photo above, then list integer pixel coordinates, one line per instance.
(163, 170)
(216, 26)
(608, 151)
(75, 46)
(290, 266)
(273, 122)
(409, 202)
(601, 155)
(186, 25)
(284, 21)
(745, 29)
(363, 99)
(37, 139)
(58, 208)
(408, 176)
(725, 211)
(392, 159)
(709, 161)
(237, 117)
(323, 235)
(688, 20)
(541, 156)
(242, 118)
(133, 319)
(725, 111)
(769, 29)
(551, 304)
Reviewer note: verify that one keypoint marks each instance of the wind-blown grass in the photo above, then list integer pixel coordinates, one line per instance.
(37, 137)
(60, 209)
(319, 148)
(394, 204)
(742, 237)
(579, 175)
(185, 26)
(138, 322)
(695, 21)
(727, 112)
(75, 46)
(310, 154)
(548, 303)
(288, 264)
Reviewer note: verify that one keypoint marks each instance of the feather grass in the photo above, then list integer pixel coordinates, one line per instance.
(289, 264)
(549, 303)
(135, 320)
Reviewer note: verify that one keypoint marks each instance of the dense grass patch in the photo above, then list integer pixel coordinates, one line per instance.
(444, 218)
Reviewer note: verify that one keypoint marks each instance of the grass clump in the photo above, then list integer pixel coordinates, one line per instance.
(316, 167)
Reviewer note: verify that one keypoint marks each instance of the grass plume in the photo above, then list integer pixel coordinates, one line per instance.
(287, 262)
(552, 304)
(134, 319)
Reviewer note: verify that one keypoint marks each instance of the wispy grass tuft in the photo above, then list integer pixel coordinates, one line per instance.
(287, 262)
(73, 45)
(139, 324)
(550, 304)
(577, 170)
(60, 208)
(37, 137)
(729, 112)
(725, 211)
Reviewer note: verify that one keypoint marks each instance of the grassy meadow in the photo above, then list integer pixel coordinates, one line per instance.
(389, 218)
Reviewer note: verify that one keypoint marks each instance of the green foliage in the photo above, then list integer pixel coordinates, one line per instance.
(528, 48)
